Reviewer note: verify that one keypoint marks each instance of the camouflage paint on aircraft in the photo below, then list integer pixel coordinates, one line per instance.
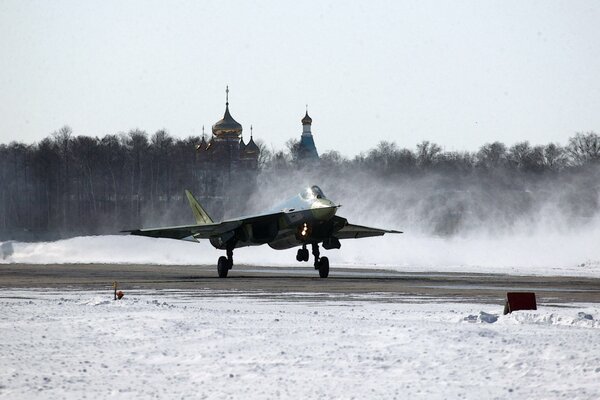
(306, 219)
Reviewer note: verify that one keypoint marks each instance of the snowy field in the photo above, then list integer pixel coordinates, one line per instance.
(573, 254)
(178, 344)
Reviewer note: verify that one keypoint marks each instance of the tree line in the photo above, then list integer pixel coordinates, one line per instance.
(582, 149)
(69, 184)
(496, 190)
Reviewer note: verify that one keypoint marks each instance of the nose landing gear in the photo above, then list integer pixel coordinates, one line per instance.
(302, 254)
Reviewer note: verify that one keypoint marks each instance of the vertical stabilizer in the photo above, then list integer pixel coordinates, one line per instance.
(201, 216)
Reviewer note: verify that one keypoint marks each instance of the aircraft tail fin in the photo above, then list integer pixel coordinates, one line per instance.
(201, 216)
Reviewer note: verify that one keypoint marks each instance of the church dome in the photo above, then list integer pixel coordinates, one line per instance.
(227, 125)
(251, 147)
(306, 120)
(203, 145)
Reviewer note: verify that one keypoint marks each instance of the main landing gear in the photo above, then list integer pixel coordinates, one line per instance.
(321, 263)
(302, 254)
(225, 264)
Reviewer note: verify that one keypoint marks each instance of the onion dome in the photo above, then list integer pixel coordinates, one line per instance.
(210, 143)
(251, 148)
(306, 120)
(242, 144)
(203, 145)
(227, 126)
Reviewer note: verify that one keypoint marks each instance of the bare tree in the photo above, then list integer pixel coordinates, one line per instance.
(491, 156)
(584, 148)
(555, 157)
(427, 153)
(265, 155)
(62, 138)
(293, 147)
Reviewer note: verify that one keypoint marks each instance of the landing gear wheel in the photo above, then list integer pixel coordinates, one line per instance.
(223, 267)
(302, 255)
(305, 255)
(324, 267)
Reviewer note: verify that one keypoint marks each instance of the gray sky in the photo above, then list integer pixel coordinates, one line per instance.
(458, 73)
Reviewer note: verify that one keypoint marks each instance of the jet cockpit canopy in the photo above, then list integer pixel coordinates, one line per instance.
(313, 192)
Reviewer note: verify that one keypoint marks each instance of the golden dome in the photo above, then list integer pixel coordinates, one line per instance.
(227, 125)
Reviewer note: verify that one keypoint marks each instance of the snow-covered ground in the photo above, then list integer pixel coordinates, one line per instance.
(566, 254)
(199, 344)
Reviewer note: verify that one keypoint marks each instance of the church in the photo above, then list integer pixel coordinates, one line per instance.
(226, 149)
(307, 151)
(227, 167)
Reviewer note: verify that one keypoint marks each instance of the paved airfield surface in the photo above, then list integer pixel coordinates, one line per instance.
(284, 333)
(302, 282)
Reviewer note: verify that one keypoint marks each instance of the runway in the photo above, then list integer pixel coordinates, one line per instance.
(302, 282)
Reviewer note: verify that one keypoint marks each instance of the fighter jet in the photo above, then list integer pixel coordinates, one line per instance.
(306, 219)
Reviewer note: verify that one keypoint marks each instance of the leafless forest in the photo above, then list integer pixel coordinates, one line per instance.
(69, 184)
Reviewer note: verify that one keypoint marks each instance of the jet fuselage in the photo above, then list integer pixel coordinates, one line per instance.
(303, 219)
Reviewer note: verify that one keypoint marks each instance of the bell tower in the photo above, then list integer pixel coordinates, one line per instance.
(307, 150)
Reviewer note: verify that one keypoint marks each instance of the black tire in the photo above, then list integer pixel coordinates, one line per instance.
(324, 267)
(305, 255)
(223, 267)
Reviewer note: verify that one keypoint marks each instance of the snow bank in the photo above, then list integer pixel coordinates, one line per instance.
(573, 254)
(178, 344)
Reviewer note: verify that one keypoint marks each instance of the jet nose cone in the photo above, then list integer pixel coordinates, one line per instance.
(323, 209)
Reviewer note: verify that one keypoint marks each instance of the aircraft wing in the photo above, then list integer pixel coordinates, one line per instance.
(203, 231)
(350, 231)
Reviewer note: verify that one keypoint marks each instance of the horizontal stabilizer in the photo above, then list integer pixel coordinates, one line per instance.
(350, 231)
